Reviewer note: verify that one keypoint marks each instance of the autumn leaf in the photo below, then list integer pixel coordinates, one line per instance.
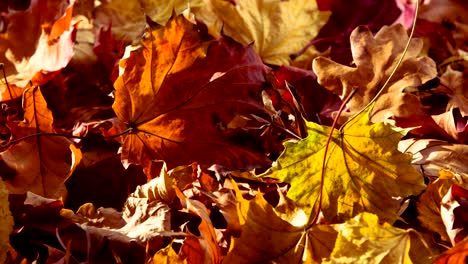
(6, 222)
(345, 17)
(364, 170)
(281, 232)
(430, 156)
(128, 18)
(48, 48)
(207, 241)
(454, 212)
(176, 99)
(36, 170)
(167, 255)
(276, 28)
(375, 58)
(456, 254)
(364, 240)
(430, 202)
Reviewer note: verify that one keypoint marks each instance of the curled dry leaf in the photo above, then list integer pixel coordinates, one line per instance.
(36, 169)
(364, 170)
(375, 58)
(430, 156)
(48, 47)
(454, 212)
(177, 97)
(364, 240)
(429, 204)
(277, 29)
(207, 241)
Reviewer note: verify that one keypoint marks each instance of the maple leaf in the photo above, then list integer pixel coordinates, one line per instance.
(277, 234)
(6, 222)
(375, 58)
(276, 28)
(36, 170)
(364, 170)
(363, 240)
(177, 101)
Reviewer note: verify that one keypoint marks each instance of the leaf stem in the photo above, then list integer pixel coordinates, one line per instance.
(15, 141)
(324, 165)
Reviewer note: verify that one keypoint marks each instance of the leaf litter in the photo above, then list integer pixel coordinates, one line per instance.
(204, 143)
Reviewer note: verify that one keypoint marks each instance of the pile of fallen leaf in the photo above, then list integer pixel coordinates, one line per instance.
(246, 131)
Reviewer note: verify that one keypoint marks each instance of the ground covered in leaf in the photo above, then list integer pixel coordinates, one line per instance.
(245, 131)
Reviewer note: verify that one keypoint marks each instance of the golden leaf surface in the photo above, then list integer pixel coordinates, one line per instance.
(364, 240)
(276, 28)
(364, 170)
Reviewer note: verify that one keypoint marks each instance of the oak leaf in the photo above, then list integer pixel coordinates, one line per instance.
(364, 170)
(36, 169)
(276, 28)
(364, 240)
(177, 99)
(375, 58)
(167, 255)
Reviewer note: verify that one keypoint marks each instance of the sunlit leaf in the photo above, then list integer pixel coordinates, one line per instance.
(364, 240)
(36, 169)
(177, 94)
(364, 170)
(276, 28)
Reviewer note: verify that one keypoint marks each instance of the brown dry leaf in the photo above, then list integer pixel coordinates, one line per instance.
(430, 156)
(454, 213)
(276, 28)
(40, 54)
(375, 58)
(176, 97)
(207, 240)
(430, 201)
(145, 218)
(42, 163)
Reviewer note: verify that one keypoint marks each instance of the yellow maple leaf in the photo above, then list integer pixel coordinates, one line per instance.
(276, 28)
(364, 240)
(364, 170)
